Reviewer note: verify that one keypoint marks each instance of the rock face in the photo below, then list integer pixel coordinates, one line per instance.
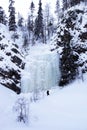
(11, 61)
(72, 41)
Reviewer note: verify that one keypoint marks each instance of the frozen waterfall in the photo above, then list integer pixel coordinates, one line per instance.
(42, 72)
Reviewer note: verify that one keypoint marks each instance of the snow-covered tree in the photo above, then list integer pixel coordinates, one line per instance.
(29, 27)
(51, 26)
(68, 61)
(30, 23)
(39, 27)
(22, 109)
(47, 20)
(48, 23)
(12, 22)
(26, 42)
(20, 20)
(74, 2)
(57, 11)
(65, 4)
(3, 18)
(32, 9)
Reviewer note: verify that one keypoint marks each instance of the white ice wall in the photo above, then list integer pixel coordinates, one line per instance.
(42, 72)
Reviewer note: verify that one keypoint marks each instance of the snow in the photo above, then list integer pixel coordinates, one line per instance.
(7, 45)
(63, 109)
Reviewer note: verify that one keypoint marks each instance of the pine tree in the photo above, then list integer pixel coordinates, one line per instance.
(26, 43)
(65, 4)
(32, 8)
(48, 23)
(57, 11)
(3, 18)
(12, 22)
(29, 27)
(74, 2)
(20, 20)
(39, 27)
(30, 23)
(68, 61)
(31, 17)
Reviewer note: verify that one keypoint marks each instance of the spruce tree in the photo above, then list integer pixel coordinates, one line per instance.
(48, 23)
(30, 23)
(3, 18)
(26, 43)
(57, 11)
(74, 2)
(39, 27)
(32, 8)
(12, 22)
(68, 61)
(65, 4)
(20, 20)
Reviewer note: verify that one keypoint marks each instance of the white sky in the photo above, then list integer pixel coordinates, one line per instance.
(22, 6)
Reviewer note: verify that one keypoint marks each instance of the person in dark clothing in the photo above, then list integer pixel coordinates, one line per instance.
(48, 93)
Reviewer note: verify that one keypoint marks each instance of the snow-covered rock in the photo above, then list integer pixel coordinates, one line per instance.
(11, 61)
(72, 29)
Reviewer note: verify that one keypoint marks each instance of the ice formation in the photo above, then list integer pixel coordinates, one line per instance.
(42, 72)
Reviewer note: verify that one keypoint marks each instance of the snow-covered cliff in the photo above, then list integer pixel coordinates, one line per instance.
(11, 61)
(72, 43)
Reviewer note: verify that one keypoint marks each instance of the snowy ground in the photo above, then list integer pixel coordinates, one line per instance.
(64, 109)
